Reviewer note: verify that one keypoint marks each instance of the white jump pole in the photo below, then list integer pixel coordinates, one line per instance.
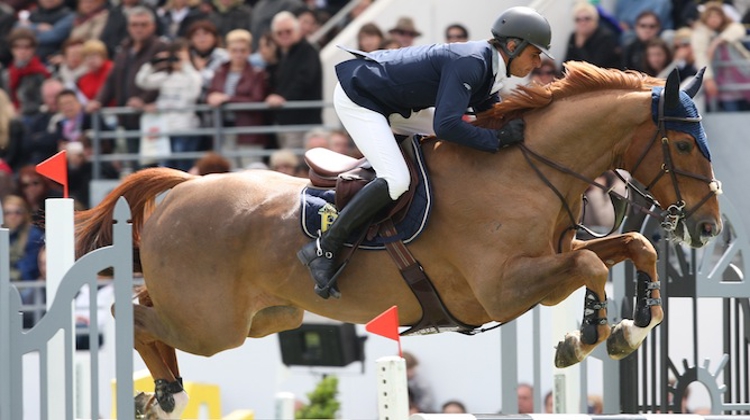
(393, 391)
(59, 237)
(284, 406)
(566, 392)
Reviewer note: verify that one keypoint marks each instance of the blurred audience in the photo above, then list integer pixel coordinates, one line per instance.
(177, 15)
(41, 130)
(120, 88)
(405, 32)
(11, 135)
(264, 12)
(179, 84)
(205, 51)
(658, 58)
(453, 407)
(116, 29)
(297, 76)
(25, 239)
(546, 73)
(647, 27)
(35, 188)
(98, 65)
(317, 137)
(592, 42)
(284, 161)
(238, 81)
(71, 66)
(628, 13)
(211, 163)
(456, 33)
(90, 18)
(340, 142)
(369, 37)
(7, 22)
(525, 399)
(716, 43)
(229, 15)
(419, 388)
(51, 22)
(24, 77)
(683, 58)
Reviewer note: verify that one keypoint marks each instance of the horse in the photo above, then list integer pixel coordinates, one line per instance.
(218, 253)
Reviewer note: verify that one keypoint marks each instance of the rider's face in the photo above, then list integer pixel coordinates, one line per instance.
(529, 59)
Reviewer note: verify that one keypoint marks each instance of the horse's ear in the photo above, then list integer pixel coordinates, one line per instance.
(672, 90)
(695, 84)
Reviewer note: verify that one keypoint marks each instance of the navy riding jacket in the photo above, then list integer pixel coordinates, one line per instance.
(449, 77)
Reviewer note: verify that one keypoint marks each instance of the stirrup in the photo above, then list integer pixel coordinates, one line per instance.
(331, 289)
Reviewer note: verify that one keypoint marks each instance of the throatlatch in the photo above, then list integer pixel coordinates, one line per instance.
(592, 304)
(644, 301)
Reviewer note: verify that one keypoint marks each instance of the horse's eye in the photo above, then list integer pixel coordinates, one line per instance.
(684, 146)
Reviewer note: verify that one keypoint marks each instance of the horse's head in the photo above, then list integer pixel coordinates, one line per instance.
(675, 164)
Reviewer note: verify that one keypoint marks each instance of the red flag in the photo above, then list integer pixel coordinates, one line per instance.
(386, 325)
(56, 169)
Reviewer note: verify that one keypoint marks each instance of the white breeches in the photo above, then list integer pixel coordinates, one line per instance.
(373, 135)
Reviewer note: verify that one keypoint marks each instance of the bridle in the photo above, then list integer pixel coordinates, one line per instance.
(676, 212)
(669, 218)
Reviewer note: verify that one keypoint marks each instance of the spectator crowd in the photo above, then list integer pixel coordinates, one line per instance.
(62, 61)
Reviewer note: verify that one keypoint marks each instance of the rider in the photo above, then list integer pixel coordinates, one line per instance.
(426, 90)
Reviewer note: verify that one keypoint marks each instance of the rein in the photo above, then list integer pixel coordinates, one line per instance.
(670, 218)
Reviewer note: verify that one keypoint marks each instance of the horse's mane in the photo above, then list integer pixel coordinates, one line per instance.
(580, 77)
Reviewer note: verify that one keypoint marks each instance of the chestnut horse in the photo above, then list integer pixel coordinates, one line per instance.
(499, 240)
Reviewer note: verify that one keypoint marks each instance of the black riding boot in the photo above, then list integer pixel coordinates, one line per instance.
(320, 255)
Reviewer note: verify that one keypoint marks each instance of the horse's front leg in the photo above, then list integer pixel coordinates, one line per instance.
(628, 335)
(549, 280)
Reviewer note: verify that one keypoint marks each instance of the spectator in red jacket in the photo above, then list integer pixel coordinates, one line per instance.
(98, 66)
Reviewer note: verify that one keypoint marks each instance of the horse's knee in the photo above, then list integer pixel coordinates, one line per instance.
(640, 249)
(589, 266)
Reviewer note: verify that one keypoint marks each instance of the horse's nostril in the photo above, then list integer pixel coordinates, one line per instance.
(709, 229)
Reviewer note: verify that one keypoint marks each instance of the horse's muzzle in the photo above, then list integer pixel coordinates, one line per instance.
(702, 231)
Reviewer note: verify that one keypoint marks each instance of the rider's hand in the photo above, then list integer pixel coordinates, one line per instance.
(511, 133)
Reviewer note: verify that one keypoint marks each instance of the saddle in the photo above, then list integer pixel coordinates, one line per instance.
(348, 175)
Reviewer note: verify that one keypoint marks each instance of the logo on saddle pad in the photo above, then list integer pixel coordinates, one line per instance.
(319, 211)
(328, 215)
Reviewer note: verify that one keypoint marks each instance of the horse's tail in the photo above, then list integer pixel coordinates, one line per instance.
(94, 226)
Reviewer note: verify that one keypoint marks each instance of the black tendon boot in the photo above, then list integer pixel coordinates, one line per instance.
(320, 255)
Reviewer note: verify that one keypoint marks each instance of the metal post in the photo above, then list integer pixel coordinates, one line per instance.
(5, 335)
(60, 258)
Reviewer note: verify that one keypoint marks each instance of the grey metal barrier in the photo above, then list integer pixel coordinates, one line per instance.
(217, 131)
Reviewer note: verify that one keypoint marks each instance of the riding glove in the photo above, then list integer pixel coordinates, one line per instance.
(511, 133)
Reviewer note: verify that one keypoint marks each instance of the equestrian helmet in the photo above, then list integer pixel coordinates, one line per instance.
(526, 24)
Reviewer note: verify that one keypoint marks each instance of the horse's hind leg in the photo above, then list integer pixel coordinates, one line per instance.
(628, 335)
(169, 395)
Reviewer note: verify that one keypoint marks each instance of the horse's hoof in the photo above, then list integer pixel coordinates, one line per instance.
(165, 393)
(567, 352)
(618, 346)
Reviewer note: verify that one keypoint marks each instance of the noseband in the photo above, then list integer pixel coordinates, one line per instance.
(676, 212)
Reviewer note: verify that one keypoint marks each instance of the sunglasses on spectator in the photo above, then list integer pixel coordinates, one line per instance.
(27, 184)
(139, 24)
(584, 18)
(17, 212)
(648, 25)
(405, 33)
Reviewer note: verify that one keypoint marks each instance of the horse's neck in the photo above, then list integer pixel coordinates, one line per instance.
(588, 134)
